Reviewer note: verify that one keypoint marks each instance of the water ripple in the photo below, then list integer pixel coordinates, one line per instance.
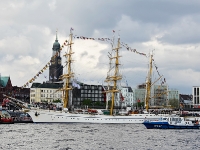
(94, 137)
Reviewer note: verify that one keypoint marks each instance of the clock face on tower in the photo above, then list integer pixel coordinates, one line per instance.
(52, 61)
(59, 61)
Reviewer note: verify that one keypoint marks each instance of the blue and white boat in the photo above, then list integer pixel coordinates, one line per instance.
(172, 122)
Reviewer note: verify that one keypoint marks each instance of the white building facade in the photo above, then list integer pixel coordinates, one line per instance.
(124, 98)
(128, 96)
(195, 99)
(45, 93)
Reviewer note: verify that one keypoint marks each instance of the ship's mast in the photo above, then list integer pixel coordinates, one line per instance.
(108, 74)
(67, 77)
(108, 81)
(116, 75)
(148, 84)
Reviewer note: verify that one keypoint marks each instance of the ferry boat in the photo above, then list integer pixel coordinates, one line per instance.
(66, 116)
(172, 123)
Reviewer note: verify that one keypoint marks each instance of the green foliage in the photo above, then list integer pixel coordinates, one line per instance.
(98, 103)
(140, 104)
(109, 103)
(87, 102)
(174, 103)
(57, 101)
(44, 101)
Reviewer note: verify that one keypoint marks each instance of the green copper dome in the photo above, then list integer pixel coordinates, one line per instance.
(56, 44)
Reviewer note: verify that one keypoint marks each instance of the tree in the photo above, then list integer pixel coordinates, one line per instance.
(109, 103)
(98, 103)
(139, 105)
(87, 102)
(174, 103)
(57, 101)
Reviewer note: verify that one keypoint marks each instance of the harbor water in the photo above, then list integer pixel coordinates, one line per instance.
(31, 136)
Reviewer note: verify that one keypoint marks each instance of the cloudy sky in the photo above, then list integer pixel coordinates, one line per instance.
(168, 28)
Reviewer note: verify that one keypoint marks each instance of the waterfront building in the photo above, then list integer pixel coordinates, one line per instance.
(45, 92)
(185, 101)
(195, 93)
(5, 87)
(128, 98)
(140, 93)
(97, 95)
(50, 92)
(125, 97)
(161, 95)
(22, 94)
(94, 94)
(173, 98)
(173, 94)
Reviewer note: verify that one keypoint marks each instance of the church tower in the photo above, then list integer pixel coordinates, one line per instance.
(55, 68)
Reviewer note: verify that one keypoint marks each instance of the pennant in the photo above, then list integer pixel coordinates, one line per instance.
(121, 96)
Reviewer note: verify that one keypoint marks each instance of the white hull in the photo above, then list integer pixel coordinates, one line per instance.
(47, 116)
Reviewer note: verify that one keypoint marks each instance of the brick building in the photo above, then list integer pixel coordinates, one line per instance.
(13, 91)
(5, 87)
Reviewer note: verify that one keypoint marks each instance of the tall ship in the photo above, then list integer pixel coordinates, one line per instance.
(107, 115)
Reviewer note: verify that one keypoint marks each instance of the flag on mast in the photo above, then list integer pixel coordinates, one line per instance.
(71, 29)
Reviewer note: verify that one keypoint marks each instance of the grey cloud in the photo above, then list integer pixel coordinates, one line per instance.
(173, 24)
(84, 54)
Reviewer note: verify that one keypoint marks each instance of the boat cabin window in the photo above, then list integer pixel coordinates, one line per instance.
(174, 119)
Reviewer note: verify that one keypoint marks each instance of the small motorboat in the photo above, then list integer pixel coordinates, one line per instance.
(172, 122)
(5, 117)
